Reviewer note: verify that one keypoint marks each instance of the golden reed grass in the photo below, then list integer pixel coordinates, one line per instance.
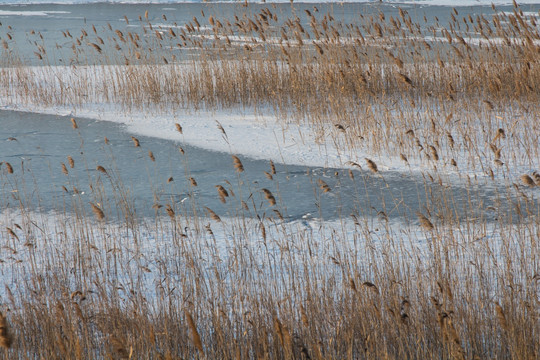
(310, 277)
(5, 336)
(195, 336)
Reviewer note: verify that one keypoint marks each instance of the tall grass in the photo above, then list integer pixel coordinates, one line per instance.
(189, 283)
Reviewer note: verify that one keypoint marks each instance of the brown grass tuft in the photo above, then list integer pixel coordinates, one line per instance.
(284, 337)
(5, 337)
(195, 337)
(501, 316)
(74, 123)
(120, 349)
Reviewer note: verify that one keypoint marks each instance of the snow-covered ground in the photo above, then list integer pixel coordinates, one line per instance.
(257, 134)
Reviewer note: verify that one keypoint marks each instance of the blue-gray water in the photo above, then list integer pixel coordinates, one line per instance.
(36, 146)
(56, 27)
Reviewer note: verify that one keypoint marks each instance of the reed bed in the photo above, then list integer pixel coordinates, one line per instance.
(85, 286)
(193, 283)
(367, 84)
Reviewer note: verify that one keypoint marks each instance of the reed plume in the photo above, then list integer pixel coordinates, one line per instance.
(178, 127)
(272, 168)
(268, 196)
(97, 212)
(170, 211)
(424, 221)
(9, 168)
(222, 193)
(527, 180)
(212, 214)
(324, 186)
(12, 233)
(135, 141)
(371, 165)
(237, 164)
(71, 162)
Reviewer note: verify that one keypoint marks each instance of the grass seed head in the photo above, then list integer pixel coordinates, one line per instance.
(71, 162)
(212, 214)
(424, 221)
(222, 192)
(268, 196)
(178, 127)
(371, 165)
(135, 141)
(100, 215)
(527, 180)
(237, 164)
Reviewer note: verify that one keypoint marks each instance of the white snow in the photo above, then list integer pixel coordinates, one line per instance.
(30, 13)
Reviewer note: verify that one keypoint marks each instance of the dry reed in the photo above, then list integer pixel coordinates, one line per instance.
(5, 336)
